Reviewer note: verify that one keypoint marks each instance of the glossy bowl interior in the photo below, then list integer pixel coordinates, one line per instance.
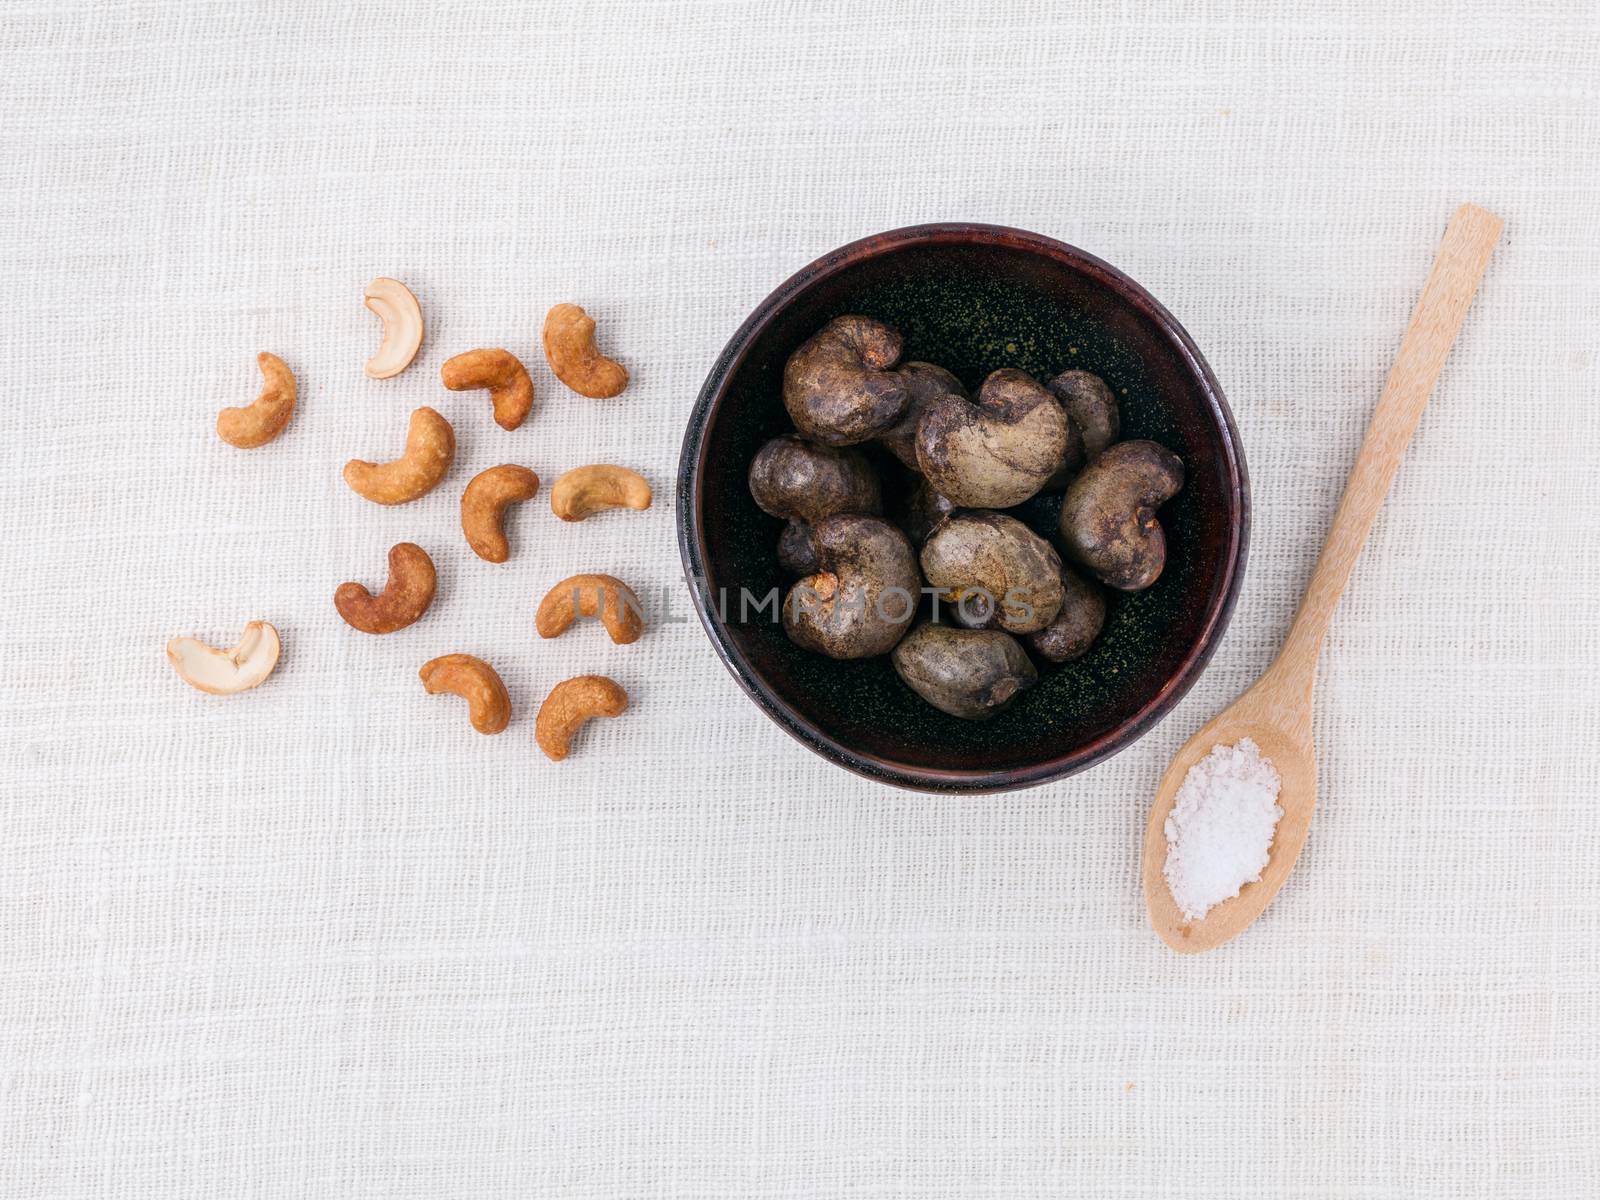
(971, 298)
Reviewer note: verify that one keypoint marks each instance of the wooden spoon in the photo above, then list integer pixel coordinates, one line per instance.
(1276, 711)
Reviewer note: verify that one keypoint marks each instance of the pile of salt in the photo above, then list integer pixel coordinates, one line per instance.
(1219, 833)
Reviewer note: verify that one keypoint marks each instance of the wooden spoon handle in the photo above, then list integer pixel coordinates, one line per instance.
(1463, 256)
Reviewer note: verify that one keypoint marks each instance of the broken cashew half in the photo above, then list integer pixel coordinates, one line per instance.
(401, 315)
(584, 491)
(259, 422)
(404, 598)
(569, 345)
(605, 596)
(476, 682)
(510, 389)
(483, 507)
(224, 672)
(570, 704)
(430, 445)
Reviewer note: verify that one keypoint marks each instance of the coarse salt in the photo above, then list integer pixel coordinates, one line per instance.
(1219, 833)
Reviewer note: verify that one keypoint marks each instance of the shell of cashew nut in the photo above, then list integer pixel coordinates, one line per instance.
(571, 703)
(1000, 449)
(1108, 516)
(430, 445)
(994, 571)
(403, 600)
(510, 389)
(483, 507)
(864, 594)
(401, 315)
(605, 596)
(224, 672)
(476, 682)
(838, 388)
(576, 361)
(584, 491)
(1092, 406)
(265, 418)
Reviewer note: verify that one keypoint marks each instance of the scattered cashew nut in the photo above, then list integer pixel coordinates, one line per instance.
(401, 315)
(605, 596)
(584, 491)
(510, 389)
(224, 672)
(571, 703)
(404, 598)
(430, 445)
(483, 507)
(569, 345)
(265, 418)
(476, 682)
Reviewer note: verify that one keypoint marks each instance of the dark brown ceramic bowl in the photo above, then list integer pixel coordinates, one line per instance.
(971, 298)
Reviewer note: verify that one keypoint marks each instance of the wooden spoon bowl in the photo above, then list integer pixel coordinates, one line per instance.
(1275, 714)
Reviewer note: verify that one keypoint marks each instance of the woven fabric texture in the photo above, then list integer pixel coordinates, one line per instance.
(324, 940)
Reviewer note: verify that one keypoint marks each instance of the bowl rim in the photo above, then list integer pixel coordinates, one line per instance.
(693, 551)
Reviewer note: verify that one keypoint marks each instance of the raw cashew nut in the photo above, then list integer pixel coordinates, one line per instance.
(1092, 407)
(994, 571)
(584, 491)
(510, 389)
(404, 598)
(798, 480)
(1082, 617)
(569, 345)
(571, 703)
(969, 673)
(604, 596)
(224, 672)
(430, 445)
(1000, 449)
(483, 507)
(864, 594)
(926, 383)
(1108, 517)
(476, 682)
(258, 423)
(401, 315)
(838, 388)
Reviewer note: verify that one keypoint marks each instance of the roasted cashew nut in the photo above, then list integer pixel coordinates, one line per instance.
(430, 445)
(570, 704)
(483, 507)
(224, 672)
(401, 315)
(605, 596)
(476, 682)
(584, 491)
(510, 389)
(404, 598)
(576, 361)
(259, 422)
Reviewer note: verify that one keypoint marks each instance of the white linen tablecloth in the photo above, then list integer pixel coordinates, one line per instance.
(324, 940)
